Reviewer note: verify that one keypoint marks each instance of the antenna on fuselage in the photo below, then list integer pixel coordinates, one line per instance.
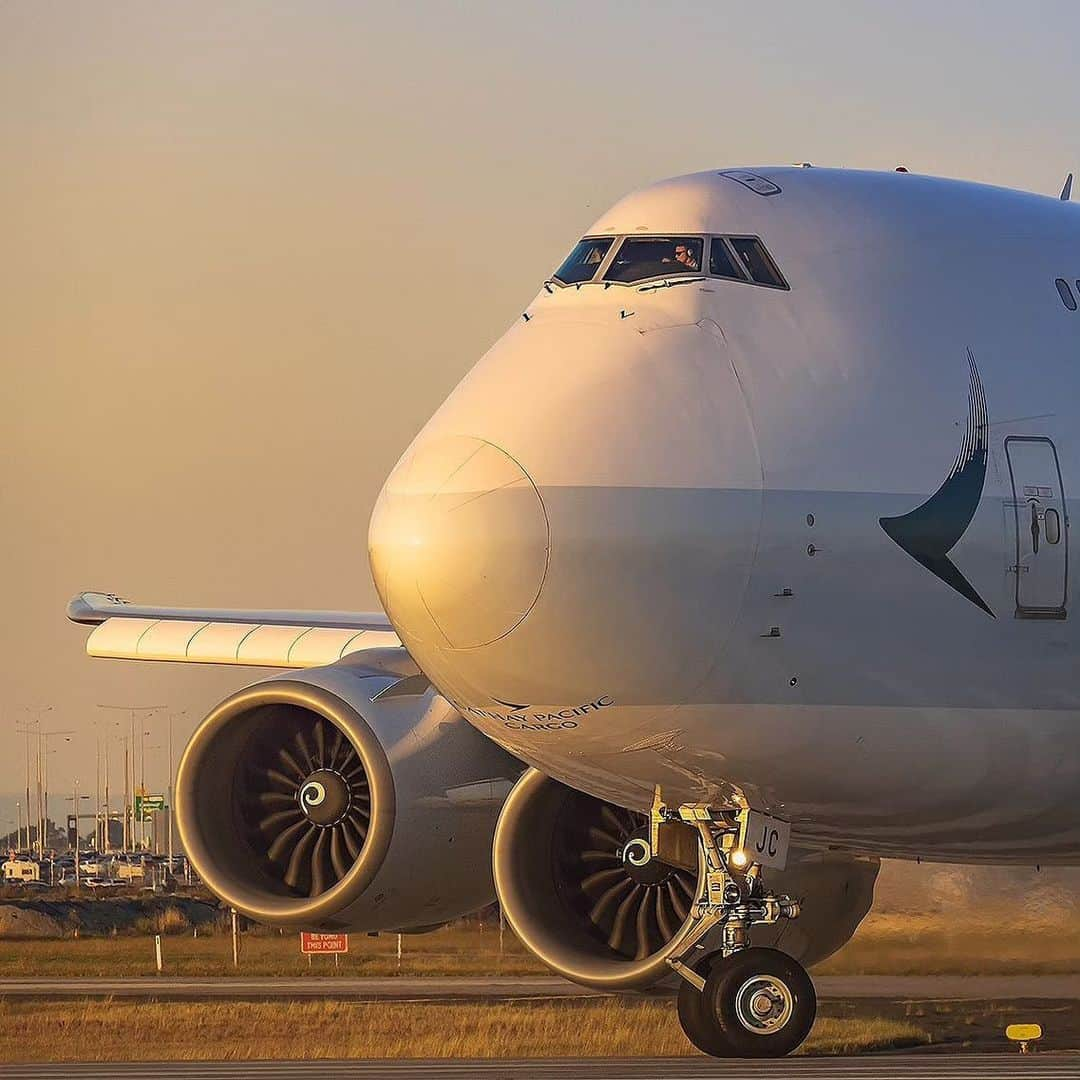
(1066, 191)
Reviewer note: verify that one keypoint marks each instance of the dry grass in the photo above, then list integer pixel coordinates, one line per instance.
(932, 945)
(455, 950)
(615, 1027)
(884, 944)
(170, 921)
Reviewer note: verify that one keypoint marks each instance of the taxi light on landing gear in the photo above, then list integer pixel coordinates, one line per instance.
(739, 858)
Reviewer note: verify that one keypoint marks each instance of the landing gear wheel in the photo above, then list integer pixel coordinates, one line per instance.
(693, 1016)
(756, 1003)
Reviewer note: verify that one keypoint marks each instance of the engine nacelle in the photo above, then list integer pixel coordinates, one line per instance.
(338, 800)
(595, 918)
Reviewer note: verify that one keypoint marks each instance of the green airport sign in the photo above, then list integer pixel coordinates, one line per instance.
(148, 805)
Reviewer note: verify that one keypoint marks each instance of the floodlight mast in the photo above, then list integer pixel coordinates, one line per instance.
(28, 730)
(130, 772)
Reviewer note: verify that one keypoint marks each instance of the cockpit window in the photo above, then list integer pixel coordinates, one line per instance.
(642, 257)
(583, 262)
(721, 261)
(757, 262)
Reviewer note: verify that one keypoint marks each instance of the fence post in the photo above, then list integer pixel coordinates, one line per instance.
(157, 951)
(235, 938)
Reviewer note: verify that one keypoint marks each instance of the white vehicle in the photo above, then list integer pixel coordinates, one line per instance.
(750, 539)
(19, 871)
(128, 871)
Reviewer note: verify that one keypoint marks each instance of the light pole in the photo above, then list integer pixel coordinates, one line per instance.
(97, 787)
(169, 786)
(105, 841)
(74, 797)
(170, 791)
(154, 816)
(27, 731)
(129, 766)
(18, 825)
(45, 736)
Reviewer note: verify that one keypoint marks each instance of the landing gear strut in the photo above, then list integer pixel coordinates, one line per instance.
(737, 1001)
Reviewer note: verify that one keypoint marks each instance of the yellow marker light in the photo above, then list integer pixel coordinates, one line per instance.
(1023, 1034)
(739, 858)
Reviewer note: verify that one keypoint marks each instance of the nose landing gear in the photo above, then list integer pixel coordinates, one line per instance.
(737, 1001)
(755, 1003)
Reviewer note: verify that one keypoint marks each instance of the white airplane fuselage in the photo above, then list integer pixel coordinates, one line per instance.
(804, 549)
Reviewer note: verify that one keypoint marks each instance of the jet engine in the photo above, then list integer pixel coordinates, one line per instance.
(342, 799)
(580, 904)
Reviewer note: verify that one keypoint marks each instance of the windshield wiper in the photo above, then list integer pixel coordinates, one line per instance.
(668, 283)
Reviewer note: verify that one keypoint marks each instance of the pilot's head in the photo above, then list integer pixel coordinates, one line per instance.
(684, 255)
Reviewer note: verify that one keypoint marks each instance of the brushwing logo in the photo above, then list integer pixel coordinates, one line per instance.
(312, 793)
(930, 531)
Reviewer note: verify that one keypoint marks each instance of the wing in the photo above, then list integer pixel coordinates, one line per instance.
(281, 639)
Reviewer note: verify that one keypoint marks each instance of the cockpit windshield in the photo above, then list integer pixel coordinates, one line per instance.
(642, 257)
(583, 262)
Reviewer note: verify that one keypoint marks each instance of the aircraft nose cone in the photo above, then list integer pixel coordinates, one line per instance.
(459, 543)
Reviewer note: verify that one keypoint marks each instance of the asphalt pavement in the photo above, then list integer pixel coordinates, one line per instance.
(924, 1066)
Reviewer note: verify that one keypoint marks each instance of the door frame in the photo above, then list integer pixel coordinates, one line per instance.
(1022, 611)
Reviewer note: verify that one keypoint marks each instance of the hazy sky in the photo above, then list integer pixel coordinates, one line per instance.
(247, 249)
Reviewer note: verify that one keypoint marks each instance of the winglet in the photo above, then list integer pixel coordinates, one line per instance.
(91, 608)
(1066, 191)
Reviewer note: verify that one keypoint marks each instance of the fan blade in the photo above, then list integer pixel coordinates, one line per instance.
(290, 762)
(681, 881)
(643, 926)
(339, 739)
(275, 798)
(338, 857)
(299, 869)
(677, 902)
(281, 779)
(663, 916)
(354, 839)
(600, 856)
(285, 840)
(603, 838)
(621, 923)
(599, 911)
(274, 822)
(320, 744)
(320, 864)
(305, 753)
(603, 877)
(611, 819)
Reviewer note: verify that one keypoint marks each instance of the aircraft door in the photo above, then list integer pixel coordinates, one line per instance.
(1038, 524)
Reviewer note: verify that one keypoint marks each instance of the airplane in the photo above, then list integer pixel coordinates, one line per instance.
(739, 562)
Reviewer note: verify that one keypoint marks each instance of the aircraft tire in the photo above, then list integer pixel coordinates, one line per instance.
(756, 1003)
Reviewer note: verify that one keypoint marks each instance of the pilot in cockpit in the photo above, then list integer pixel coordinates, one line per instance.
(684, 255)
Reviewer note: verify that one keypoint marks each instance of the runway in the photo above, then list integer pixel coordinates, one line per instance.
(437, 988)
(925, 1066)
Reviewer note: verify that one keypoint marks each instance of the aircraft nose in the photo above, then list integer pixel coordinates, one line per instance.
(459, 543)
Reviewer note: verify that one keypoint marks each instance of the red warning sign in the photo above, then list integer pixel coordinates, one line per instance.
(323, 943)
